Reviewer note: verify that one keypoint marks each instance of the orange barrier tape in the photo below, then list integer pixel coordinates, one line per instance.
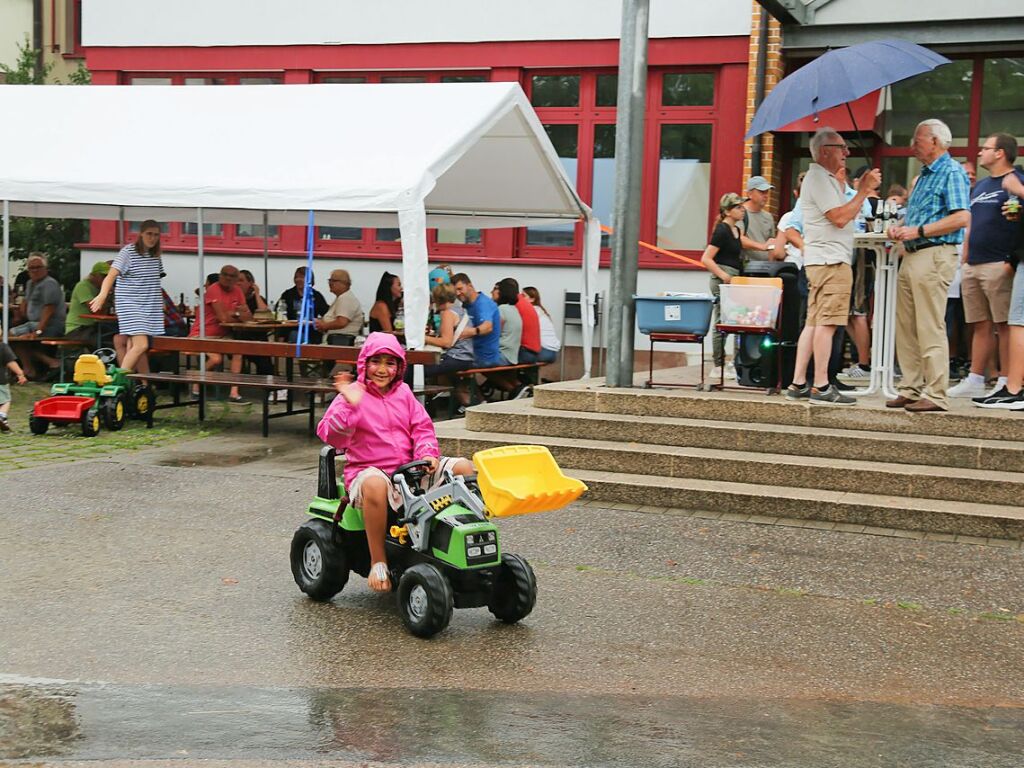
(656, 249)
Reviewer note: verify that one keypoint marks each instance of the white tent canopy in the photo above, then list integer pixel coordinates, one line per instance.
(411, 156)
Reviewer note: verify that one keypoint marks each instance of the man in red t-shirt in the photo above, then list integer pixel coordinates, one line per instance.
(225, 303)
(529, 344)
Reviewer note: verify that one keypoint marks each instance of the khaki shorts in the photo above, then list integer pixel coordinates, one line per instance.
(5, 393)
(431, 481)
(985, 289)
(828, 297)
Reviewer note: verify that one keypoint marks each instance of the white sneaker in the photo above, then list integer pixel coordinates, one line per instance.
(730, 371)
(967, 388)
(856, 372)
(716, 372)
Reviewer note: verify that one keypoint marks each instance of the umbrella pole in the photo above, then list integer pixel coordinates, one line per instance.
(860, 139)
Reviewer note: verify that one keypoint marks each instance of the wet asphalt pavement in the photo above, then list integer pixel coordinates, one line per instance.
(147, 613)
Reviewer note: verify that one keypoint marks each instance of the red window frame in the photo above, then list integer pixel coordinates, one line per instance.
(587, 115)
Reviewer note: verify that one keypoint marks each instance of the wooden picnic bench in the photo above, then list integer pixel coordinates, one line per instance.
(267, 385)
(65, 348)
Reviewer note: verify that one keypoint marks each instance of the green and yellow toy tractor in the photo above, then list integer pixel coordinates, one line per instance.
(100, 392)
(443, 548)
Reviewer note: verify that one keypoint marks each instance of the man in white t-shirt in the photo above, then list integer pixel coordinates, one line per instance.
(828, 251)
(344, 320)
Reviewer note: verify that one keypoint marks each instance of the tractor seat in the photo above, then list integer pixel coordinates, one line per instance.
(88, 368)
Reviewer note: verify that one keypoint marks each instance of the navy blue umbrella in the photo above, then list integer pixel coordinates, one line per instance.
(839, 77)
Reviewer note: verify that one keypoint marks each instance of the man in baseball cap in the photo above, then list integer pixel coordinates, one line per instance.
(78, 327)
(758, 225)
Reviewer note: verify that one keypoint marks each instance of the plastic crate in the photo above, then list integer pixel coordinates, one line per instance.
(749, 306)
(683, 313)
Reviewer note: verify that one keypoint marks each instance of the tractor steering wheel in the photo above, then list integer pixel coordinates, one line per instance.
(106, 355)
(414, 471)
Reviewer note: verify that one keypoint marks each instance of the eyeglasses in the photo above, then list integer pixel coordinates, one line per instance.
(843, 147)
(36, 268)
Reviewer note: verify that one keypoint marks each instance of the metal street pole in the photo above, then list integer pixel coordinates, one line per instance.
(629, 145)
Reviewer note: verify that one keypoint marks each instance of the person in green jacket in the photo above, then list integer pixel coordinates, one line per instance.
(87, 289)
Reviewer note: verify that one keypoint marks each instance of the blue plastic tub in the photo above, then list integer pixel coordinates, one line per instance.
(688, 313)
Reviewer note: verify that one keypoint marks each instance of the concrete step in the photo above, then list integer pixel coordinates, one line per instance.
(931, 515)
(963, 421)
(830, 475)
(523, 418)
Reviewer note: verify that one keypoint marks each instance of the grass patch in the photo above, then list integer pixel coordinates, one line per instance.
(790, 592)
(906, 605)
(994, 616)
(869, 601)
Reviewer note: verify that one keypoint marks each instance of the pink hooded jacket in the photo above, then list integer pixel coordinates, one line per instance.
(385, 430)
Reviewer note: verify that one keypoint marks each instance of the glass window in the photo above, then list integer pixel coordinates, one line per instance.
(340, 233)
(603, 197)
(607, 90)
(209, 230)
(684, 186)
(566, 141)
(1002, 98)
(464, 79)
(342, 80)
(255, 230)
(555, 91)
(459, 236)
(151, 81)
(389, 235)
(133, 227)
(205, 81)
(899, 170)
(416, 79)
(688, 90)
(943, 93)
(259, 81)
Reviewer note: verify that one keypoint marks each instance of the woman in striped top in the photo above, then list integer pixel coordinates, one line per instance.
(137, 271)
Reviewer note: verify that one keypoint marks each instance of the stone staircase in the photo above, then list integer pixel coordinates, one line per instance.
(955, 473)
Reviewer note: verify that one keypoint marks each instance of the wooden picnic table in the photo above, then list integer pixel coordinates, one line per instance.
(101, 320)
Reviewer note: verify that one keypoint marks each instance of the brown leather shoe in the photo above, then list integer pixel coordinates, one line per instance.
(922, 406)
(899, 402)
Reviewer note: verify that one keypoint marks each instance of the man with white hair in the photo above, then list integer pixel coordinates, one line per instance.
(937, 213)
(828, 224)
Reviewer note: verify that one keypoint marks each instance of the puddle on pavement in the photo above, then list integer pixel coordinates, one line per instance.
(104, 722)
(213, 459)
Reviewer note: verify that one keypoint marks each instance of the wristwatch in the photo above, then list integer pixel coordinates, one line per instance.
(920, 232)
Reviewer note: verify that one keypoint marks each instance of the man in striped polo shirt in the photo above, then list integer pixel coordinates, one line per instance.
(937, 213)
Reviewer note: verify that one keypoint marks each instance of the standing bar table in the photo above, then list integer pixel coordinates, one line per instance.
(883, 338)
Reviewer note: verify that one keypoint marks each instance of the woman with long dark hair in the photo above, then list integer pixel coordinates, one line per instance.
(385, 306)
(140, 301)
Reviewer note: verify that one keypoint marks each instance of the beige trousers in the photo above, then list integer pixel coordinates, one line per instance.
(921, 344)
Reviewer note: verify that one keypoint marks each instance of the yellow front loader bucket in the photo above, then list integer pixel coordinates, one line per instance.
(520, 479)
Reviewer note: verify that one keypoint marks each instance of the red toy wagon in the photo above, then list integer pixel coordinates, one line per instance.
(65, 409)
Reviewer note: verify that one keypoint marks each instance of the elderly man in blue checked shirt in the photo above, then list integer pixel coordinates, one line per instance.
(937, 213)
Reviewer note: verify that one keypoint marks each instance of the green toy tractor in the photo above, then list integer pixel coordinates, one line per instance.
(443, 550)
(116, 396)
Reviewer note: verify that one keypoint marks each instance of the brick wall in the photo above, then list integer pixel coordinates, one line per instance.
(773, 73)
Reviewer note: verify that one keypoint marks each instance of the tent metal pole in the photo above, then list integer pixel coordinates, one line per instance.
(6, 297)
(120, 226)
(202, 286)
(629, 138)
(266, 252)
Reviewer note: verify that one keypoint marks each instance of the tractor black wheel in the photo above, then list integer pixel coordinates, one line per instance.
(115, 412)
(319, 565)
(91, 422)
(425, 600)
(143, 401)
(515, 590)
(37, 425)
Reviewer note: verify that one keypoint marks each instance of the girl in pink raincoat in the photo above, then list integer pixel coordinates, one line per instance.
(381, 425)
